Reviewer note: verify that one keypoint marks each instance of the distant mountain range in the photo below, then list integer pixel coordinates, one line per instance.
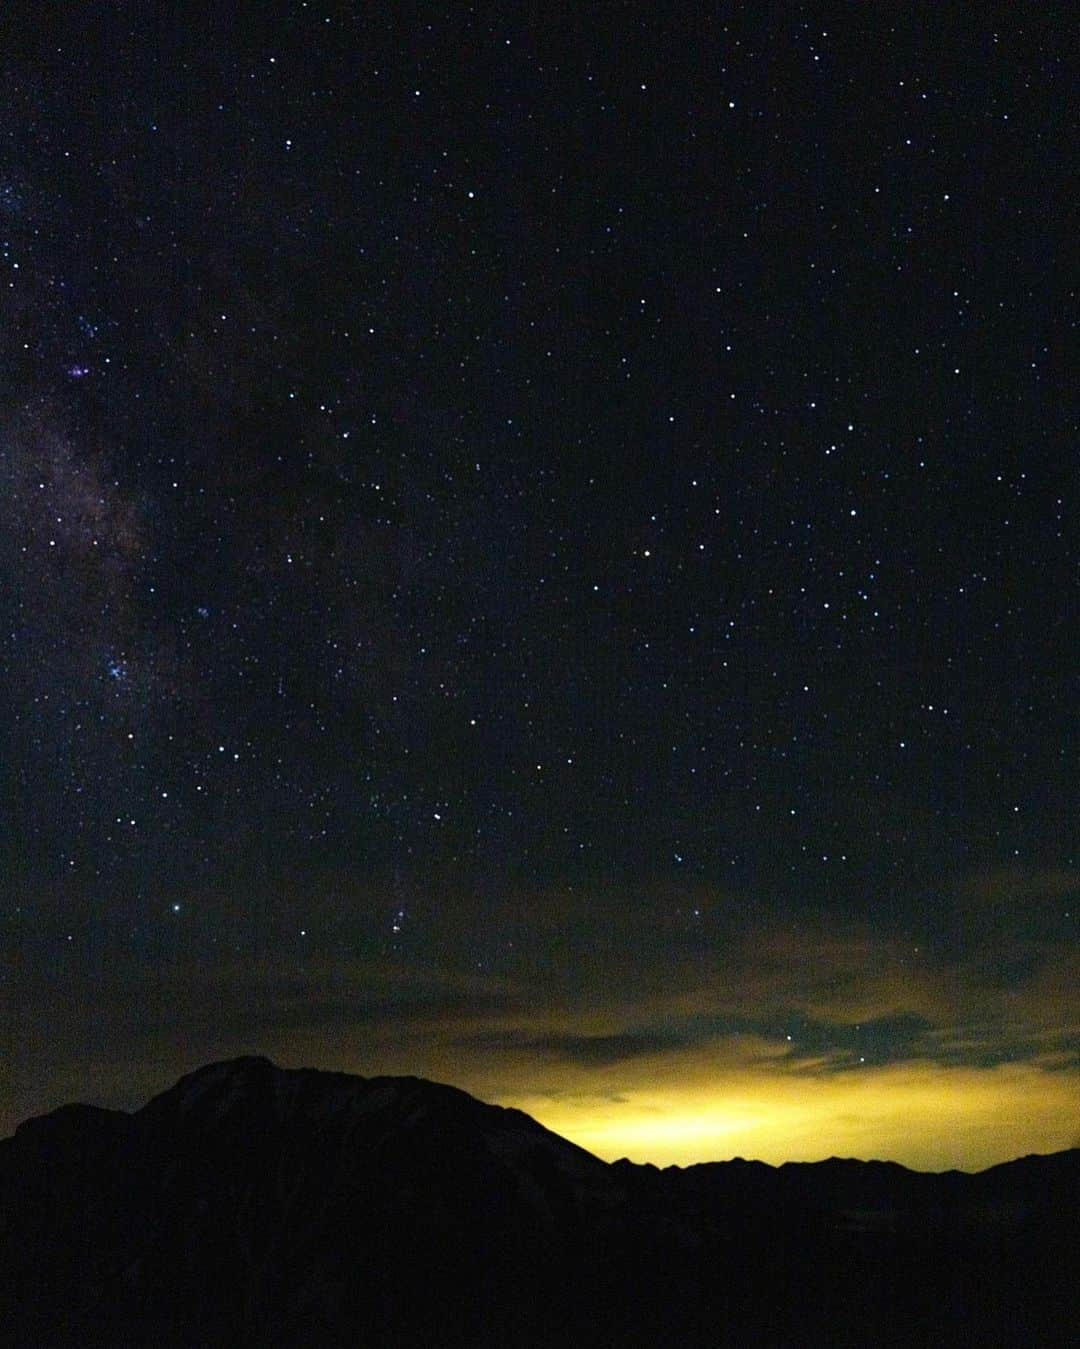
(250, 1205)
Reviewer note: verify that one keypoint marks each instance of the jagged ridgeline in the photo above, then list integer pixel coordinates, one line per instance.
(250, 1206)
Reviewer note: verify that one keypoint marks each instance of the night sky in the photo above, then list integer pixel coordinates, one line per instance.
(538, 551)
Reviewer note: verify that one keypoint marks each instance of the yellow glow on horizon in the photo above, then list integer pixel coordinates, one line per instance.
(923, 1115)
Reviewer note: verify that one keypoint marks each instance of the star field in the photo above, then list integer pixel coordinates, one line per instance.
(540, 544)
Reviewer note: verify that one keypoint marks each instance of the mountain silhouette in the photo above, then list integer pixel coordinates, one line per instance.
(255, 1206)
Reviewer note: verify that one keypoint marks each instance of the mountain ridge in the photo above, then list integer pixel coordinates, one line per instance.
(242, 1062)
(248, 1204)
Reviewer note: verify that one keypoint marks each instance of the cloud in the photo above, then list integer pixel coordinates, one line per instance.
(1013, 887)
(592, 1050)
(778, 1036)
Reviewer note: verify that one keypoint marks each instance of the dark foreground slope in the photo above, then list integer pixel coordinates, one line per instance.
(252, 1206)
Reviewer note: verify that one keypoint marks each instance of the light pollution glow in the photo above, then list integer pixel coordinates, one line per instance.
(790, 1042)
(923, 1115)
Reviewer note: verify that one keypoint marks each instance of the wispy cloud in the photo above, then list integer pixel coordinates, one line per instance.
(799, 1034)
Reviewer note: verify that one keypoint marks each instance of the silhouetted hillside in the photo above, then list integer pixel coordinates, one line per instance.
(250, 1206)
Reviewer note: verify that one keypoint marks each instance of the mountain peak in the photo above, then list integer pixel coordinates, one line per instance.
(251, 1204)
